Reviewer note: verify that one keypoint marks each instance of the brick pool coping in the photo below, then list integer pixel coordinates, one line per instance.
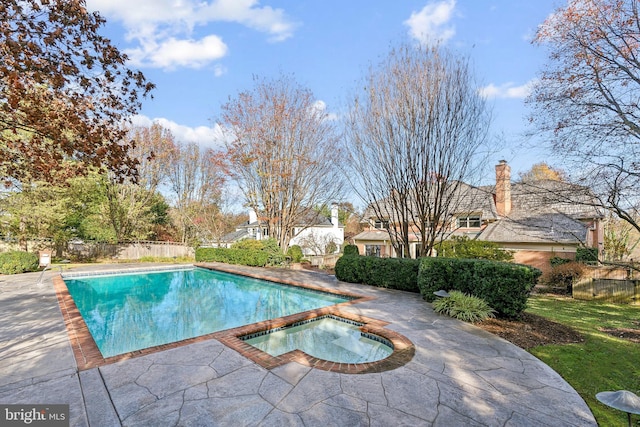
(88, 356)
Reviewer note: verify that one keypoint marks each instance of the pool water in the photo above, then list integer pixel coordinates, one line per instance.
(128, 312)
(327, 338)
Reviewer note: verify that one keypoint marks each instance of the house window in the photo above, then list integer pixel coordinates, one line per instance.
(469, 221)
(265, 232)
(372, 250)
(381, 224)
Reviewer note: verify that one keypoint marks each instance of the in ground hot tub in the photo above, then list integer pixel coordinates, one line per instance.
(327, 339)
(330, 338)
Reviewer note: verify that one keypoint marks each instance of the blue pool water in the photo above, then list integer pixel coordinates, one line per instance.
(327, 338)
(128, 312)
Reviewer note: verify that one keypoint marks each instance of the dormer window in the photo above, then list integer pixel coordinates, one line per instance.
(381, 224)
(471, 221)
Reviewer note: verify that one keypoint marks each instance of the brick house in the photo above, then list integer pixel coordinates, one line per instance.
(536, 220)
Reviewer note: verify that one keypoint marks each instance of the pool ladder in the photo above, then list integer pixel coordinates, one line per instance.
(42, 274)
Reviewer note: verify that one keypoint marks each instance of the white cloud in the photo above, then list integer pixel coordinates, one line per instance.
(431, 24)
(206, 137)
(219, 70)
(507, 90)
(186, 53)
(163, 29)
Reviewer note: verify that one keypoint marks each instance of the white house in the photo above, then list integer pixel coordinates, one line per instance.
(316, 234)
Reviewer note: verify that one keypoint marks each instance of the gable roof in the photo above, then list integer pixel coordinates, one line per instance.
(554, 197)
(542, 211)
(545, 211)
(466, 199)
(235, 236)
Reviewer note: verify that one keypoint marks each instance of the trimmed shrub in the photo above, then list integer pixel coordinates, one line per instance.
(351, 250)
(347, 269)
(463, 247)
(556, 261)
(392, 273)
(587, 255)
(248, 244)
(256, 253)
(254, 258)
(275, 254)
(295, 253)
(463, 307)
(16, 262)
(563, 275)
(504, 286)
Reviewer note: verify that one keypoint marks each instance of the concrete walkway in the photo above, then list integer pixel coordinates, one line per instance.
(460, 375)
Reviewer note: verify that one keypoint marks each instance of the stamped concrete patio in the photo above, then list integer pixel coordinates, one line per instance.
(459, 375)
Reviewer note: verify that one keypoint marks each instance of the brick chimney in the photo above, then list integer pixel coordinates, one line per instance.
(503, 188)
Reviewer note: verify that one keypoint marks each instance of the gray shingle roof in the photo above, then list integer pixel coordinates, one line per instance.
(465, 199)
(542, 211)
(234, 236)
(539, 228)
(545, 211)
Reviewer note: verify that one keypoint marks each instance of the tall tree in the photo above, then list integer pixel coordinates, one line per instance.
(64, 92)
(196, 183)
(132, 206)
(415, 133)
(129, 209)
(282, 152)
(586, 99)
(153, 149)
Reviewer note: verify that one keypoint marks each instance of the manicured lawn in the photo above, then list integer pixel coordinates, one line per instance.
(602, 362)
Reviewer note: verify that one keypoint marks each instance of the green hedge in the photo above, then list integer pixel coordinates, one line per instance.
(351, 250)
(295, 253)
(393, 273)
(504, 286)
(256, 253)
(464, 247)
(556, 261)
(15, 262)
(255, 258)
(587, 255)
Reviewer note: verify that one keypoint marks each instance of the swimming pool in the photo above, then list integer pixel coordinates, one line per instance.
(129, 312)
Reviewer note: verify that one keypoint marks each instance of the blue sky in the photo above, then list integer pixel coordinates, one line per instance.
(201, 52)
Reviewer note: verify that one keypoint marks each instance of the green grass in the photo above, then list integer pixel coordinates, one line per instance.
(602, 362)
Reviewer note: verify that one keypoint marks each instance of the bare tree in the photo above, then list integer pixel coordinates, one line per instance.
(153, 149)
(195, 182)
(620, 240)
(282, 153)
(586, 99)
(414, 134)
(129, 205)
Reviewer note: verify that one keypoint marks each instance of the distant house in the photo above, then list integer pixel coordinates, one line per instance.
(316, 234)
(536, 220)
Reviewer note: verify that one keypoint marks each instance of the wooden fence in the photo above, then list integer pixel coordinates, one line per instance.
(80, 250)
(323, 260)
(132, 250)
(609, 290)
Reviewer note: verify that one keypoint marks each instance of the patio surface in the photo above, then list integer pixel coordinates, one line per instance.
(459, 375)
